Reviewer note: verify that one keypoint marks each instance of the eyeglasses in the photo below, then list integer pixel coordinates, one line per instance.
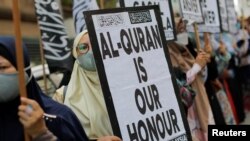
(83, 48)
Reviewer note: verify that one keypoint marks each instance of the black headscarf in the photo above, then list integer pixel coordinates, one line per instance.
(5, 53)
(8, 111)
(65, 126)
(33, 90)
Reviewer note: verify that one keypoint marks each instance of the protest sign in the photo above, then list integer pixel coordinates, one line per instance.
(166, 14)
(191, 10)
(223, 15)
(210, 12)
(232, 17)
(211, 16)
(135, 72)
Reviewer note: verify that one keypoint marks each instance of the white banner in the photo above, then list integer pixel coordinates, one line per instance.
(135, 75)
(166, 14)
(54, 38)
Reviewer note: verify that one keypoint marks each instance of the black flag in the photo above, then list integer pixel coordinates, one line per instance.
(79, 6)
(53, 35)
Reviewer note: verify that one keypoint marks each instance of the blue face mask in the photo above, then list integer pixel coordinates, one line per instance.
(9, 88)
(87, 61)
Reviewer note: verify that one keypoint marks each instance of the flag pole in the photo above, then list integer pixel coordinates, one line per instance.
(43, 65)
(19, 53)
(19, 50)
(207, 47)
(197, 38)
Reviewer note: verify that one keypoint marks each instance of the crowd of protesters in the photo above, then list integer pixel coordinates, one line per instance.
(213, 82)
(217, 76)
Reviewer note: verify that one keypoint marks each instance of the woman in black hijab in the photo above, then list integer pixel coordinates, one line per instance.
(58, 119)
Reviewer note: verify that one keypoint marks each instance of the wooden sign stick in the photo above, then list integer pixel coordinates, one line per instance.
(197, 38)
(19, 53)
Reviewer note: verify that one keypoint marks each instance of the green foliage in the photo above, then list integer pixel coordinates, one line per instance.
(67, 2)
(108, 3)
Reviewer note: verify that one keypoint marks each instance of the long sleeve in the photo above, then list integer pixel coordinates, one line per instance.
(46, 136)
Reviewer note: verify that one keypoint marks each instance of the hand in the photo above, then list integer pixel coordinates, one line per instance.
(208, 47)
(31, 116)
(208, 57)
(225, 74)
(109, 138)
(202, 58)
(217, 84)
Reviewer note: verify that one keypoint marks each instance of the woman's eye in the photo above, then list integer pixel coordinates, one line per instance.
(83, 48)
(2, 68)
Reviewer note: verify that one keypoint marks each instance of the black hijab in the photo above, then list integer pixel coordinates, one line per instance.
(8, 111)
(33, 90)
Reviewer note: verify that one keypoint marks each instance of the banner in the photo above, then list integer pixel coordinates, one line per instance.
(223, 15)
(79, 6)
(191, 10)
(166, 14)
(53, 35)
(232, 17)
(211, 16)
(140, 93)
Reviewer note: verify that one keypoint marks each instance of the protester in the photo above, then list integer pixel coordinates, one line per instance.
(41, 117)
(224, 57)
(212, 83)
(84, 94)
(199, 114)
(246, 68)
(234, 79)
(245, 58)
(244, 50)
(59, 119)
